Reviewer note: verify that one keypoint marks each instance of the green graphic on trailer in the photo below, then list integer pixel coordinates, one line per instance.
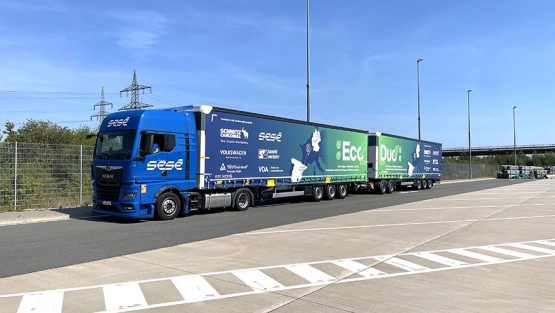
(401, 156)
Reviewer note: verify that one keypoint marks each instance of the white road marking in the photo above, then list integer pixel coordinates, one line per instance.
(123, 296)
(257, 280)
(403, 264)
(459, 207)
(440, 259)
(358, 268)
(47, 302)
(310, 273)
(477, 256)
(194, 287)
(508, 252)
(474, 198)
(389, 225)
(533, 248)
(129, 297)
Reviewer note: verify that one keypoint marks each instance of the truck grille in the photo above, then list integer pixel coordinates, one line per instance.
(108, 193)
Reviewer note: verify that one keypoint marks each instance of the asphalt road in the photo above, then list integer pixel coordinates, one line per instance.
(35, 247)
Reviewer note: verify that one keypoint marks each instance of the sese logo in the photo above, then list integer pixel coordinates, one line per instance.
(118, 122)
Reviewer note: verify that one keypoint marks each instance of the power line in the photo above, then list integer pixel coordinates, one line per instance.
(135, 104)
(102, 111)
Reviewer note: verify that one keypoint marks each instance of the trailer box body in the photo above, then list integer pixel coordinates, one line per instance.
(395, 157)
(241, 147)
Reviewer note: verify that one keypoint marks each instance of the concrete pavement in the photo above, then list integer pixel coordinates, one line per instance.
(484, 251)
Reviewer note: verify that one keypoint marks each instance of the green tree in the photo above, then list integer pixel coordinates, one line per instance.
(46, 132)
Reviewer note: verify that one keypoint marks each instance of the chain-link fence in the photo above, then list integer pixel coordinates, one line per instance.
(462, 170)
(39, 176)
(42, 176)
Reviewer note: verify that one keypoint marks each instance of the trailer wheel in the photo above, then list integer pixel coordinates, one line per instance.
(341, 191)
(317, 193)
(330, 192)
(390, 186)
(429, 184)
(417, 184)
(168, 206)
(382, 187)
(242, 199)
(424, 184)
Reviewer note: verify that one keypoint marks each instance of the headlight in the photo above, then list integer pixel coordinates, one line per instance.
(129, 195)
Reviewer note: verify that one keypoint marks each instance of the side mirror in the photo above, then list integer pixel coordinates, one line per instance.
(89, 136)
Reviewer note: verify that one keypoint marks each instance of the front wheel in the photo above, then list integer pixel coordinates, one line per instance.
(168, 206)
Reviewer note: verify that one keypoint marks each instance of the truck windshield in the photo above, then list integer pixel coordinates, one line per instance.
(114, 144)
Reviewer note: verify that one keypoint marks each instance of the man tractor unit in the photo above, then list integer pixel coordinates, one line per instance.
(168, 162)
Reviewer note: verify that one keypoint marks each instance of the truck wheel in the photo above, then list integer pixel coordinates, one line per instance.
(424, 184)
(429, 184)
(168, 206)
(382, 187)
(242, 199)
(330, 192)
(417, 184)
(317, 193)
(390, 186)
(341, 191)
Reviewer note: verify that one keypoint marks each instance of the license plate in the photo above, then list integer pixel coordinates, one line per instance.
(107, 202)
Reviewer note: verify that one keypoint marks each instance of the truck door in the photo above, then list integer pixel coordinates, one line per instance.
(151, 169)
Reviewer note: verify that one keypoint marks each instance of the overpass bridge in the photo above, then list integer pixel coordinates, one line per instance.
(499, 150)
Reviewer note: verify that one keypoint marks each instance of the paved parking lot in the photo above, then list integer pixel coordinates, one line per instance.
(484, 251)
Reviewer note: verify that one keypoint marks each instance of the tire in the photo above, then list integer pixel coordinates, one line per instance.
(428, 184)
(341, 191)
(382, 187)
(424, 184)
(331, 192)
(168, 206)
(390, 186)
(242, 200)
(418, 184)
(317, 193)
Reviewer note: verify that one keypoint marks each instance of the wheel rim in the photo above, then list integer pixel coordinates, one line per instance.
(331, 191)
(242, 201)
(342, 189)
(169, 206)
(318, 192)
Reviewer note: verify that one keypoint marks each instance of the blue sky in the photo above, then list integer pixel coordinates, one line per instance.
(56, 55)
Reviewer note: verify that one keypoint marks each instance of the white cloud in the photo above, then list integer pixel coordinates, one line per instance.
(139, 30)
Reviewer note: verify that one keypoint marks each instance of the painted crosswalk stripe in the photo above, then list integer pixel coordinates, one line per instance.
(194, 287)
(477, 256)
(122, 296)
(507, 252)
(310, 273)
(48, 302)
(440, 259)
(404, 264)
(358, 268)
(533, 248)
(257, 280)
(545, 242)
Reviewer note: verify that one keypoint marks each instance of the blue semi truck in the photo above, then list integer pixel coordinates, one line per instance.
(168, 162)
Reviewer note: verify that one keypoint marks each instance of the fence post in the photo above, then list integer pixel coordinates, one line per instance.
(15, 180)
(81, 175)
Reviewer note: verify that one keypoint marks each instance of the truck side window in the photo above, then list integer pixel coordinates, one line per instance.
(159, 143)
(169, 142)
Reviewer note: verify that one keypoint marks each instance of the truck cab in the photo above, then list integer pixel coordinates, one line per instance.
(138, 157)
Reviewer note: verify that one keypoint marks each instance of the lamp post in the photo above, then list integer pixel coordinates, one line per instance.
(307, 64)
(418, 80)
(469, 148)
(514, 132)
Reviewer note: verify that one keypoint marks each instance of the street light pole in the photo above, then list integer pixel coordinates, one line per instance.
(514, 132)
(418, 80)
(307, 64)
(469, 147)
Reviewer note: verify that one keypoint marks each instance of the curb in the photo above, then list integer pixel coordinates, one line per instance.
(32, 220)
